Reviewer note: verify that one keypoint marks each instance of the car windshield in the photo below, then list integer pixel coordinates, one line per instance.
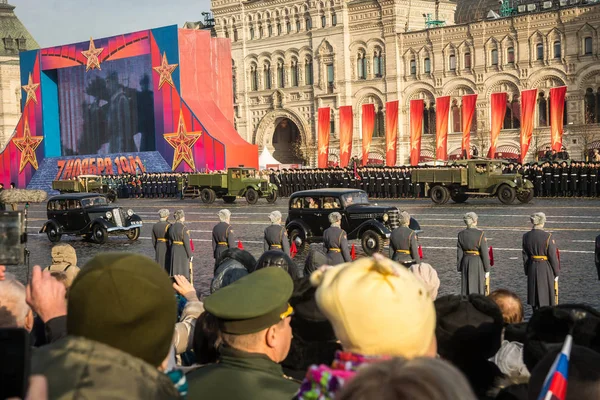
(355, 198)
(94, 201)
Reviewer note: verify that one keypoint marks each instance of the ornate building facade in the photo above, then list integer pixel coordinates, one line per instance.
(290, 58)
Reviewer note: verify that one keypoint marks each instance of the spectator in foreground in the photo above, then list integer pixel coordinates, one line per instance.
(401, 325)
(277, 259)
(428, 277)
(122, 313)
(14, 311)
(184, 329)
(254, 323)
(232, 265)
(64, 259)
(417, 379)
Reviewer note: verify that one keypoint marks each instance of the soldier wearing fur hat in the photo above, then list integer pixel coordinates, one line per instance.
(160, 240)
(181, 251)
(403, 242)
(335, 241)
(222, 234)
(473, 260)
(276, 237)
(541, 263)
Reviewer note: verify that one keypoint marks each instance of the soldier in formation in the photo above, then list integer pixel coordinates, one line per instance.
(473, 260)
(222, 234)
(335, 241)
(160, 240)
(403, 242)
(181, 250)
(275, 237)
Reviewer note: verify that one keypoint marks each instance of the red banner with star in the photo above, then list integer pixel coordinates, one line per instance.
(416, 130)
(528, 101)
(346, 125)
(498, 101)
(323, 136)
(368, 123)
(442, 110)
(391, 132)
(557, 114)
(469, 103)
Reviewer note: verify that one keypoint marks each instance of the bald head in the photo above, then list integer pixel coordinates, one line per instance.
(14, 311)
(510, 305)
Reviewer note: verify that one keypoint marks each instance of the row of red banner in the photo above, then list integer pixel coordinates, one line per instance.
(469, 103)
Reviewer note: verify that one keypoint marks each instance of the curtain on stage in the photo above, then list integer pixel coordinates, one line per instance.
(416, 129)
(442, 105)
(368, 124)
(528, 101)
(345, 135)
(557, 113)
(469, 103)
(498, 101)
(391, 132)
(323, 136)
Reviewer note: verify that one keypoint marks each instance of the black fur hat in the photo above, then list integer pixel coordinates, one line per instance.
(242, 256)
(278, 259)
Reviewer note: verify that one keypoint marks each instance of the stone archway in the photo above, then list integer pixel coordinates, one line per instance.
(285, 136)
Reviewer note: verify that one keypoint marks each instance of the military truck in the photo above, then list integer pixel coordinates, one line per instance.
(237, 182)
(477, 177)
(86, 184)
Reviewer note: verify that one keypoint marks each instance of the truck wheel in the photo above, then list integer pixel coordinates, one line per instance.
(439, 194)
(458, 197)
(52, 233)
(371, 242)
(229, 199)
(133, 234)
(525, 196)
(272, 198)
(297, 236)
(506, 194)
(251, 196)
(99, 234)
(207, 196)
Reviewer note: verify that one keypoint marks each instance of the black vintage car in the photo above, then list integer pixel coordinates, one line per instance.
(309, 211)
(88, 215)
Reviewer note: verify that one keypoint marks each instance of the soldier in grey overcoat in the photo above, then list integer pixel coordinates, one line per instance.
(540, 260)
(472, 256)
(403, 242)
(335, 241)
(276, 237)
(181, 251)
(222, 234)
(160, 240)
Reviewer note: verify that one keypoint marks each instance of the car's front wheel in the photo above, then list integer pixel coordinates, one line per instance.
(272, 198)
(506, 194)
(133, 234)
(525, 196)
(99, 234)
(371, 242)
(53, 234)
(251, 196)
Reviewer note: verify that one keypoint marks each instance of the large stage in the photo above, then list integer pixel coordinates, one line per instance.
(166, 92)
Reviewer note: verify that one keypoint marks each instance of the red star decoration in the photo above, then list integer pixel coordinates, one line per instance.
(92, 56)
(183, 142)
(27, 145)
(165, 70)
(30, 89)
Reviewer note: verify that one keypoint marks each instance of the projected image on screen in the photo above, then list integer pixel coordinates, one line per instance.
(109, 110)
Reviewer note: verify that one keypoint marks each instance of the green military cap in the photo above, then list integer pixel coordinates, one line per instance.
(252, 303)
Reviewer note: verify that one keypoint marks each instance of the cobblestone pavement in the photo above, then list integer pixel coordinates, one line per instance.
(573, 222)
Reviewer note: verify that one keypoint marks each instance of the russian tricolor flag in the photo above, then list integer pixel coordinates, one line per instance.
(555, 385)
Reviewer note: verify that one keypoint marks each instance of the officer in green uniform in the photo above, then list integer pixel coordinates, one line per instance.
(254, 320)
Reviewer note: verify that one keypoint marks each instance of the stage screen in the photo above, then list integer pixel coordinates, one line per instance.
(109, 110)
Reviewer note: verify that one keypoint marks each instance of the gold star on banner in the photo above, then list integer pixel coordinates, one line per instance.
(27, 145)
(183, 142)
(91, 55)
(165, 70)
(440, 142)
(415, 144)
(323, 149)
(391, 146)
(345, 148)
(30, 89)
(367, 148)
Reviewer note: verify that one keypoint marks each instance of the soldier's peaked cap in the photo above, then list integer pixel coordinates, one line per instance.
(253, 303)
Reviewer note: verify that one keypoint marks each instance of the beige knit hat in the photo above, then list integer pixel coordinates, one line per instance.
(376, 307)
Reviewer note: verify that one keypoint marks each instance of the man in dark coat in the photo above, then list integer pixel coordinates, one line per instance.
(160, 240)
(335, 241)
(181, 250)
(403, 242)
(541, 264)
(597, 255)
(473, 259)
(222, 234)
(276, 237)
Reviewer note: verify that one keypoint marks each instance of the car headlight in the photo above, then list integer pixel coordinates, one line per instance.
(108, 215)
(385, 217)
(130, 212)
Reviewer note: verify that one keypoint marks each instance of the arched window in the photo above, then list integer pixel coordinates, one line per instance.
(235, 35)
(260, 32)
(557, 49)
(294, 73)
(377, 64)
(288, 27)
(510, 56)
(308, 68)
(467, 60)
(413, 67)
(253, 78)
(332, 123)
(494, 56)
(280, 75)
(267, 76)
(427, 65)
(456, 113)
(362, 66)
(590, 106)
(587, 46)
(512, 117)
(308, 24)
(429, 119)
(323, 21)
(251, 32)
(452, 62)
(539, 52)
(270, 29)
(330, 78)
(297, 25)
(542, 110)
(226, 33)
(379, 129)
(333, 19)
